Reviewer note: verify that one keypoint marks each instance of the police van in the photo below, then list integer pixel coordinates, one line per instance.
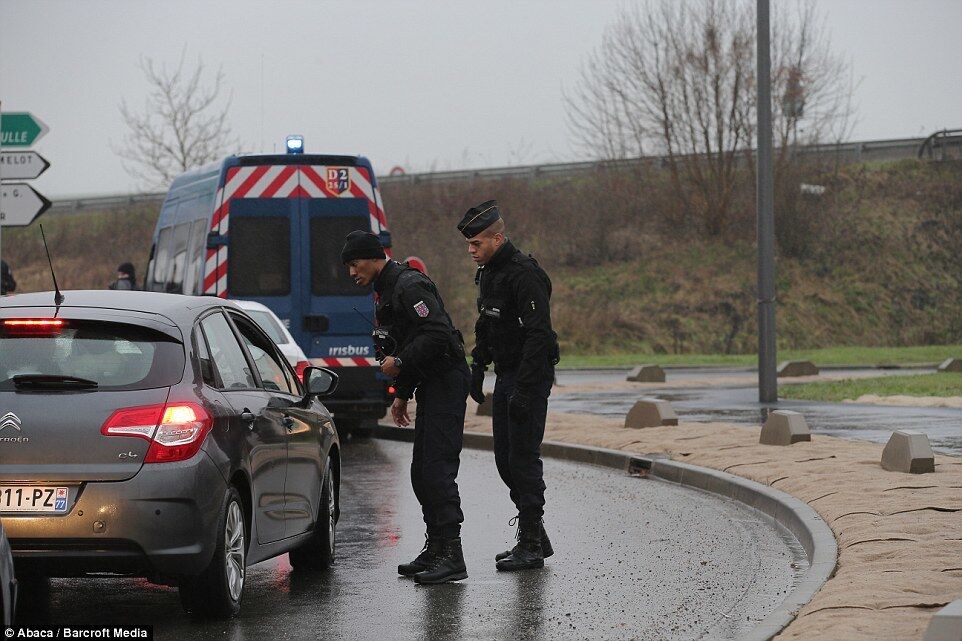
(270, 228)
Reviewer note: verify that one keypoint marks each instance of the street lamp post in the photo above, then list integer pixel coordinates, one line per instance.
(765, 220)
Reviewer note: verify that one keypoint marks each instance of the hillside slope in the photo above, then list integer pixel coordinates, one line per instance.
(879, 262)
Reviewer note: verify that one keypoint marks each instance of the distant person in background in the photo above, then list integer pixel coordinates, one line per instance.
(7, 283)
(126, 278)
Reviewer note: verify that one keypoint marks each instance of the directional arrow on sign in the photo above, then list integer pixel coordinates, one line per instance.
(20, 129)
(22, 165)
(20, 204)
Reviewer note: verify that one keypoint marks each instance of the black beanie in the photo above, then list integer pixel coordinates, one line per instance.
(361, 244)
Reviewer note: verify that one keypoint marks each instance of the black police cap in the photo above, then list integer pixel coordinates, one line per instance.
(361, 244)
(479, 218)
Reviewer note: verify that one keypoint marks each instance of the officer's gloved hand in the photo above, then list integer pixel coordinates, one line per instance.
(519, 407)
(477, 383)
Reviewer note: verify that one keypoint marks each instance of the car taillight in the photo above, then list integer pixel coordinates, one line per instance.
(175, 430)
(33, 326)
(300, 367)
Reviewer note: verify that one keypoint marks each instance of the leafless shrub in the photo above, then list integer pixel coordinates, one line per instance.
(678, 79)
(181, 125)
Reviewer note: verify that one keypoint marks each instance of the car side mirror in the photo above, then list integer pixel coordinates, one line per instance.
(319, 381)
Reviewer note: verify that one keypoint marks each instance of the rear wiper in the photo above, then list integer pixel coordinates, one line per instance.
(28, 381)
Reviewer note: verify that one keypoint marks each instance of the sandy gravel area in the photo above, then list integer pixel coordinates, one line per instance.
(899, 535)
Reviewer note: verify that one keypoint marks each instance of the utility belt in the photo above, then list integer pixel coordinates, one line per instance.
(386, 345)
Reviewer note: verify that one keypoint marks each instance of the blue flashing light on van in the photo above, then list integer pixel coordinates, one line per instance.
(270, 228)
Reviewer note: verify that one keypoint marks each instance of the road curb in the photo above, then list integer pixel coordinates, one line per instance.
(814, 535)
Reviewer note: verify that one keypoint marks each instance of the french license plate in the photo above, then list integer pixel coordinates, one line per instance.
(30, 498)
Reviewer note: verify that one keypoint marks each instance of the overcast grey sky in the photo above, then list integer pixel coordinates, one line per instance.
(424, 84)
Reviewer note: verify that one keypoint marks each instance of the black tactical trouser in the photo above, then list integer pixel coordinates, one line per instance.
(517, 446)
(438, 436)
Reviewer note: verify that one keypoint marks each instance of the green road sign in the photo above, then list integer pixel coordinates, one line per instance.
(20, 129)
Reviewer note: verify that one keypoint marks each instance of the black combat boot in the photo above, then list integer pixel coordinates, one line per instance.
(546, 548)
(447, 566)
(432, 547)
(527, 554)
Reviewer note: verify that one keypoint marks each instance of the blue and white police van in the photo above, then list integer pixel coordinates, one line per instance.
(270, 228)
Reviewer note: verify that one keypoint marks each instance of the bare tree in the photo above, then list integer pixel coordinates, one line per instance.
(181, 125)
(677, 78)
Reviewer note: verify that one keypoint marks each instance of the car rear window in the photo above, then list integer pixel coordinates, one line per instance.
(269, 325)
(117, 356)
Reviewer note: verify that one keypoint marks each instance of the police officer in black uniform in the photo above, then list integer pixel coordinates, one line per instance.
(425, 354)
(7, 284)
(514, 332)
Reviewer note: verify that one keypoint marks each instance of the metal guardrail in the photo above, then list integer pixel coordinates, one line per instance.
(859, 151)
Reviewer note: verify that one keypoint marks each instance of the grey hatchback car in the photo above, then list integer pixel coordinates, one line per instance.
(164, 436)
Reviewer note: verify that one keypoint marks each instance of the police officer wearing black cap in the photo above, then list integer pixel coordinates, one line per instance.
(427, 361)
(514, 332)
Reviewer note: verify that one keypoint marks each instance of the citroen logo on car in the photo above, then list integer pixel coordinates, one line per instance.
(10, 420)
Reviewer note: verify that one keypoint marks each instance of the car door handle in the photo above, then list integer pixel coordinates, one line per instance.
(288, 422)
(248, 417)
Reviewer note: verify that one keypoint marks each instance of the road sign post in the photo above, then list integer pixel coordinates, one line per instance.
(22, 165)
(20, 204)
(20, 129)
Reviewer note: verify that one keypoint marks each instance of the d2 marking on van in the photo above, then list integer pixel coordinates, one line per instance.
(338, 179)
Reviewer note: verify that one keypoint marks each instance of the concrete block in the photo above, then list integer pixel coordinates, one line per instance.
(647, 374)
(951, 365)
(908, 451)
(797, 368)
(486, 408)
(651, 412)
(946, 624)
(784, 427)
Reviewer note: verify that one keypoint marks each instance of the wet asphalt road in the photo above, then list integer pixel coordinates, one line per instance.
(635, 559)
(739, 404)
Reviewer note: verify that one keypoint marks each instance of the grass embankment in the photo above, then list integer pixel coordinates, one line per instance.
(856, 356)
(873, 262)
(941, 384)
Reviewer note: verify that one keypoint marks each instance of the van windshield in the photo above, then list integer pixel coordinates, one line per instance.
(115, 356)
(328, 276)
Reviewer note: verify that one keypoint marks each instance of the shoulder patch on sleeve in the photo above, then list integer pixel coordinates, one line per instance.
(421, 309)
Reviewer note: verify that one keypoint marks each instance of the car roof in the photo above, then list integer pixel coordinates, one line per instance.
(176, 307)
(251, 304)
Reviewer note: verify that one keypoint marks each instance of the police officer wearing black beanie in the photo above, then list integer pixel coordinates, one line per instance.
(514, 332)
(428, 362)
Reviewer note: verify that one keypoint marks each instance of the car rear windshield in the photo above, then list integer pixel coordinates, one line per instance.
(269, 325)
(116, 356)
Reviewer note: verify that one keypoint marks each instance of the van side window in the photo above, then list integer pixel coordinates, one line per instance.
(161, 260)
(178, 259)
(195, 257)
(260, 256)
(328, 276)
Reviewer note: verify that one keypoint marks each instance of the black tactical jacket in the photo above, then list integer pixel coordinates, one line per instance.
(514, 322)
(410, 307)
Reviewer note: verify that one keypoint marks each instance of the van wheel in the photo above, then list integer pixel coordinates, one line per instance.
(217, 591)
(317, 553)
